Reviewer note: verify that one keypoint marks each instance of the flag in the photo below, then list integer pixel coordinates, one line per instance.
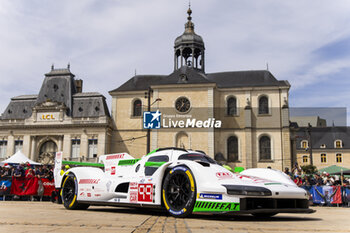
(326, 194)
(24, 186)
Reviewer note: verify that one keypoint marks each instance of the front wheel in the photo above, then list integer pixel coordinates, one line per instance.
(69, 194)
(179, 191)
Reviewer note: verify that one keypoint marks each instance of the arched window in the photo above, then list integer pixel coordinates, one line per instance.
(231, 106)
(263, 105)
(137, 106)
(265, 148)
(232, 149)
(305, 158)
(323, 158)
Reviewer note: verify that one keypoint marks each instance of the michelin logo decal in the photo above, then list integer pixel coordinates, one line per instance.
(210, 196)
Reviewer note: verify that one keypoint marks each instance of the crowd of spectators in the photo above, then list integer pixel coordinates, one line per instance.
(319, 179)
(27, 170)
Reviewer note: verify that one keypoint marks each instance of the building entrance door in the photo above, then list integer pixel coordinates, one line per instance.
(47, 152)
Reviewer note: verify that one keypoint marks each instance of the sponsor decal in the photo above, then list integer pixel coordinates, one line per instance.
(133, 197)
(108, 185)
(133, 186)
(82, 194)
(89, 181)
(179, 168)
(112, 170)
(97, 195)
(116, 199)
(177, 212)
(116, 156)
(224, 175)
(145, 192)
(208, 206)
(151, 120)
(254, 179)
(210, 196)
(88, 194)
(142, 180)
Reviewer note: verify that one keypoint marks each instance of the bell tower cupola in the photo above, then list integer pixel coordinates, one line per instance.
(189, 47)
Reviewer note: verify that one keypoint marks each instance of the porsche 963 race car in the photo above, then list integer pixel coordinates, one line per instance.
(181, 181)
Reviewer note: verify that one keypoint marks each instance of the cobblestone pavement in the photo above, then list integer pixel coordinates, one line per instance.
(49, 217)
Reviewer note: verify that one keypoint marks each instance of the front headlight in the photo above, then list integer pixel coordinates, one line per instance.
(247, 190)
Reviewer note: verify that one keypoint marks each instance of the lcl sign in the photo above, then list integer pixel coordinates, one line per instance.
(48, 117)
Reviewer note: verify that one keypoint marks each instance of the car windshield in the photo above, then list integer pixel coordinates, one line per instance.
(197, 157)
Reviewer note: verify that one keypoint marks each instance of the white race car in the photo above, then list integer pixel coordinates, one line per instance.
(181, 181)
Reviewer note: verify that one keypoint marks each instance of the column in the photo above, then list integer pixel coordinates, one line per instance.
(101, 144)
(33, 148)
(192, 64)
(26, 145)
(181, 57)
(10, 145)
(59, 146)
(84, 145)
(67, 146)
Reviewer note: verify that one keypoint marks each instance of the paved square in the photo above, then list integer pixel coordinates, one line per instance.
(49, 217)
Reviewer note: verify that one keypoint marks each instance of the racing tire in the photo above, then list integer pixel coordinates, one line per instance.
(264, 215)
(69, 194)
(179, 192)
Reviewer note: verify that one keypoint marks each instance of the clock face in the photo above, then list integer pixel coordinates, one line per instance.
(182, 104)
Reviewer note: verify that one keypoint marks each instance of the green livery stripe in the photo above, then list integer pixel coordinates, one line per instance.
(209, 206)
(153, 151)
(126, 162)
(272, 183)
(64, 162)
(154, 164)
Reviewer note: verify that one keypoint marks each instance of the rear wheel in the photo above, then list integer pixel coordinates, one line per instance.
(179, 191)
(69, 194)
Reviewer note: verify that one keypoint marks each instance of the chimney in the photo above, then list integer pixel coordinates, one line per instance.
(79, 85)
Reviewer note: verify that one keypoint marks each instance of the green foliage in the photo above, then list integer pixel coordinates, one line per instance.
(309, 169)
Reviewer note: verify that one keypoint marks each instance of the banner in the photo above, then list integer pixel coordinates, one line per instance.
(5, 185)
(49, 186)
(326, 195)
(24, 186)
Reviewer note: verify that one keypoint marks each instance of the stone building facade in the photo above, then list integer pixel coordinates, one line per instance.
(330, 146)
(60, 118)
(252, 107)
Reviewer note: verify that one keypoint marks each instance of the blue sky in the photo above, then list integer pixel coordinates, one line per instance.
(105, 41)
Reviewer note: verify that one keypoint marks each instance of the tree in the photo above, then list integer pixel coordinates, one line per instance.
(309, 169)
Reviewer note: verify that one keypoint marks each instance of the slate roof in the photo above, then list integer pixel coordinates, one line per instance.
(303, 121)
(325, 135)
(254, 78)
(58, 86)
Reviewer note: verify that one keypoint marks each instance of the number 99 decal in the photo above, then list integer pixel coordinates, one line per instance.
(145, 192)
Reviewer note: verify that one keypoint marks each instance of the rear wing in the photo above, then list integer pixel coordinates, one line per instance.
(111, 161)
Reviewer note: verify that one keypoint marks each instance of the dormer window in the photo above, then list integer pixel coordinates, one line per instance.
(338, 144)
(323, 146)
(304, 144)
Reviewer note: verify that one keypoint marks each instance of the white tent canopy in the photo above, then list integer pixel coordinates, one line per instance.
(19, 157)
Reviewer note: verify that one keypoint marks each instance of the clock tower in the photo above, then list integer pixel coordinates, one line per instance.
(189, 47)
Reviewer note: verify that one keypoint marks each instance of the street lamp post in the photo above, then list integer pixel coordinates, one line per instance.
(148, 96)
(308, 130)
(149, 104)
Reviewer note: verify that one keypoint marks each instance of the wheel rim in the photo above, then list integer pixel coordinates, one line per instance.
(69, 190)
(178, 191)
